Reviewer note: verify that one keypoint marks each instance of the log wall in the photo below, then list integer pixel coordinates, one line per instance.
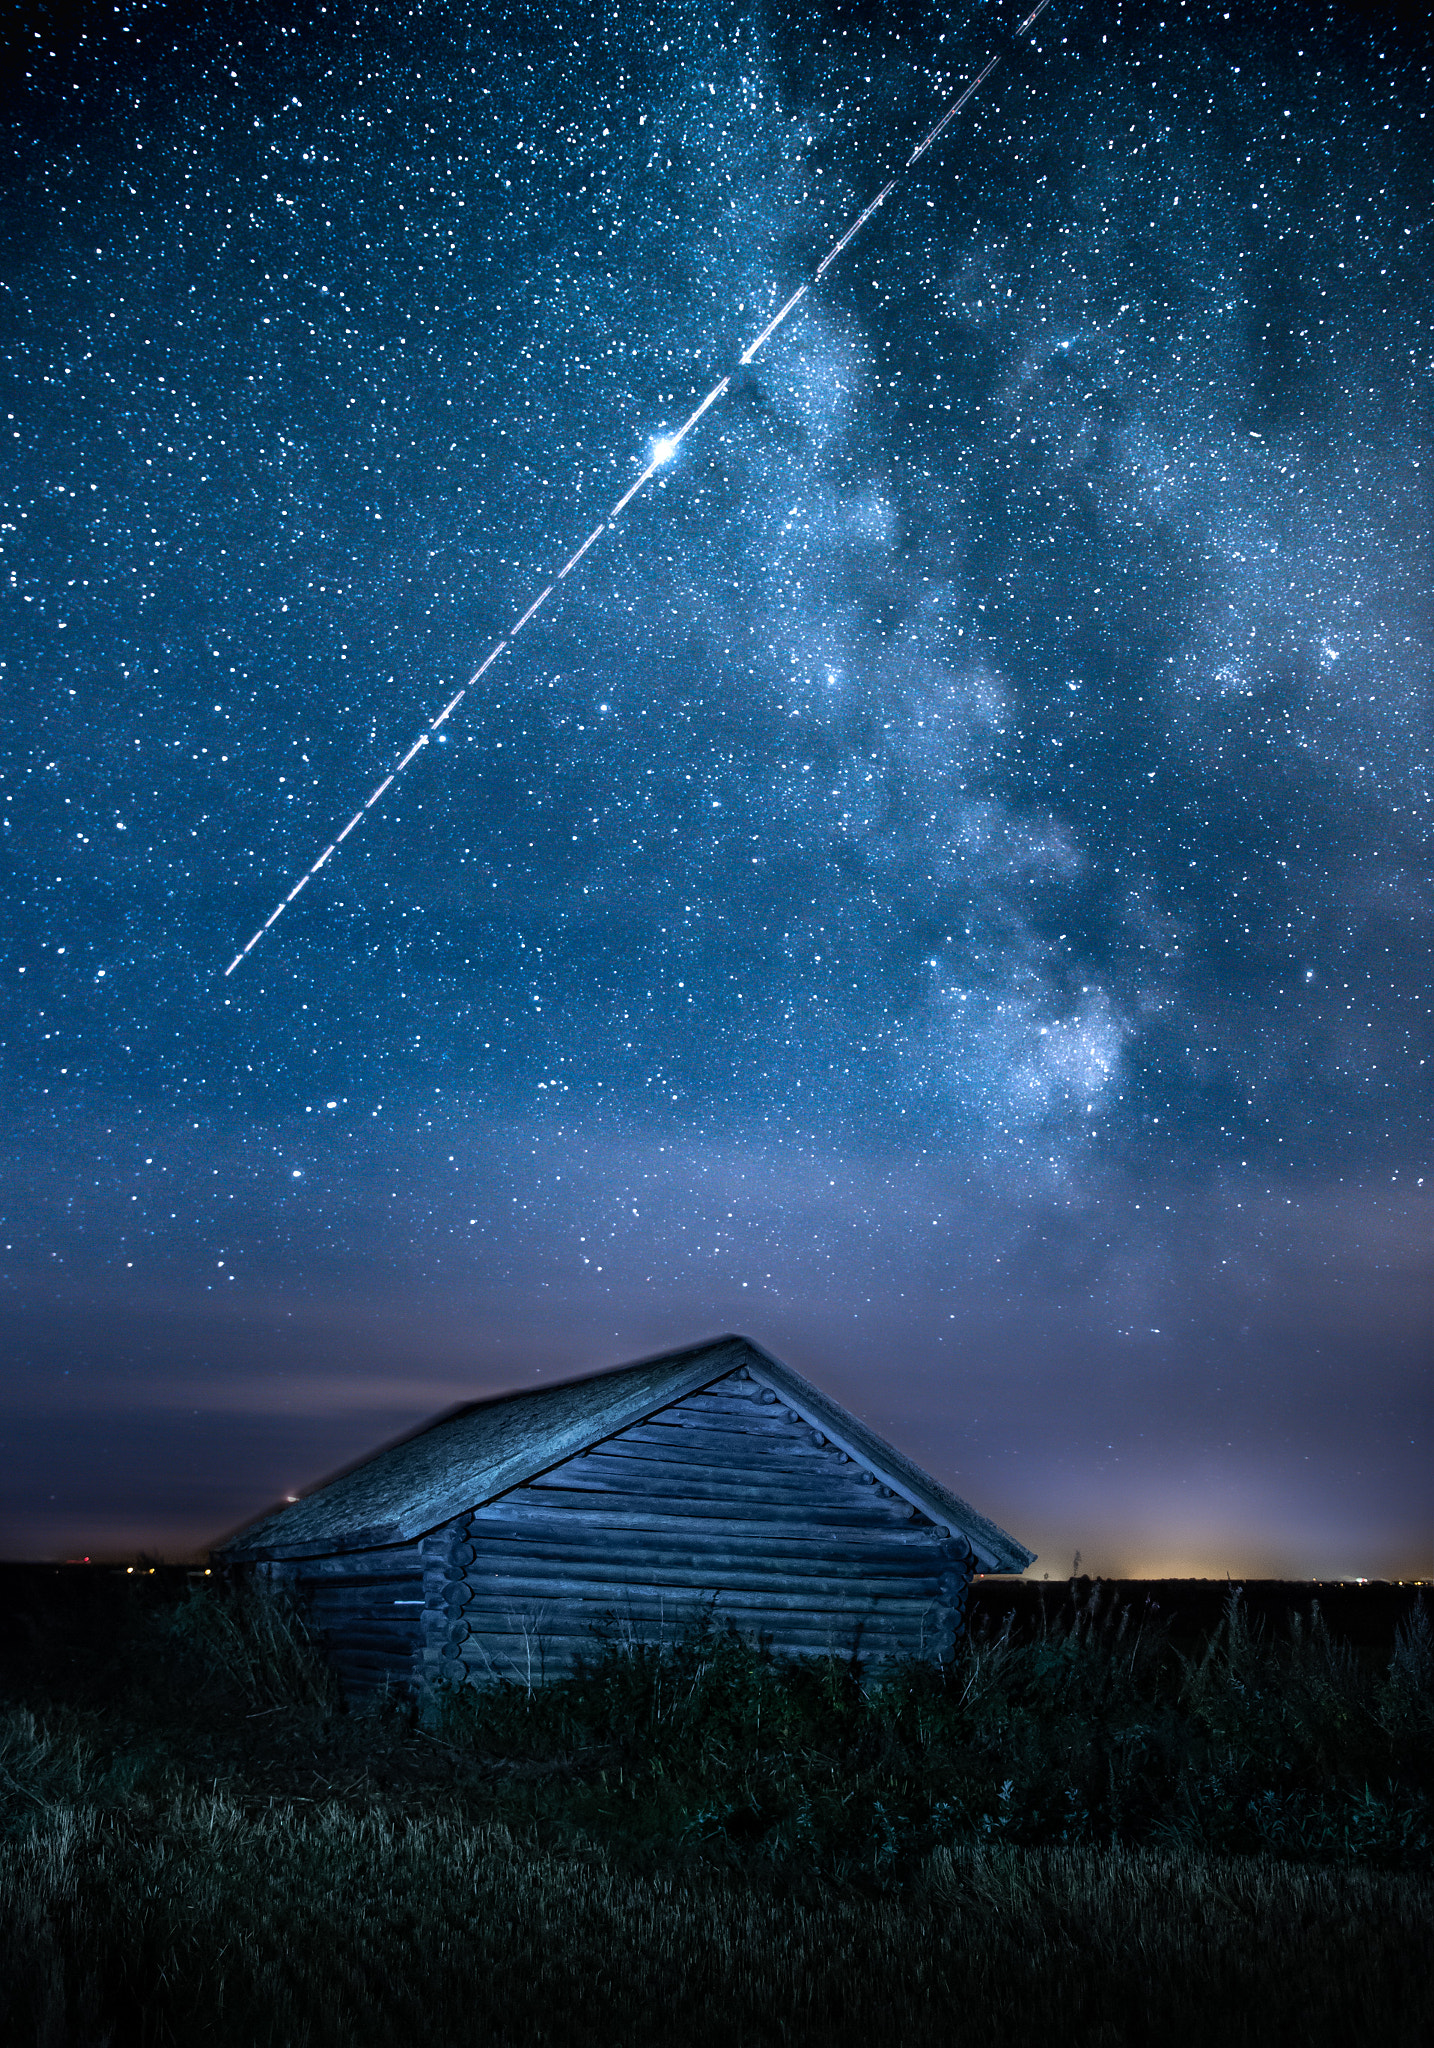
(727, 1500)
(367, 1609)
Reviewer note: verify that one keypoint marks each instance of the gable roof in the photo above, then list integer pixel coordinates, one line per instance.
(474, 1453)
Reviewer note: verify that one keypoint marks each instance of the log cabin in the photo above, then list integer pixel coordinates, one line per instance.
(505, 1538)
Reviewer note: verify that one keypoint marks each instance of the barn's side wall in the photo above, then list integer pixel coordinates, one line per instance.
(367, 1609)
(728, 1497)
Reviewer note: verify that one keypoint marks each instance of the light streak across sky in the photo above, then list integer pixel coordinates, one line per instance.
(662, 452)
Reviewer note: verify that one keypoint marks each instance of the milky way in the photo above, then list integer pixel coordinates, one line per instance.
(663, 450)
(947, 891)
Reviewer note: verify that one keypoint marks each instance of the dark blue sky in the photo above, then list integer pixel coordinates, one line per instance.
(947, 893)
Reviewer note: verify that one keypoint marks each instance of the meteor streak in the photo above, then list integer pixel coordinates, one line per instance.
(663, 451)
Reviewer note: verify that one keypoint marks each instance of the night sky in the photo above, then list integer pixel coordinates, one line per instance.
(947, 893)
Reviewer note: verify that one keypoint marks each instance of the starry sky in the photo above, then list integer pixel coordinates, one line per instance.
(946, 893)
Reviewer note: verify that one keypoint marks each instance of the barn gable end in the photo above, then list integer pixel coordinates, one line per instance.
(506, 1538)
(728, 1501)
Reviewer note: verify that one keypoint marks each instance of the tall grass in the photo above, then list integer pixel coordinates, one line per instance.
(256, 1639)
(1092, 1834)
(1097, 1732)
(334, 1927)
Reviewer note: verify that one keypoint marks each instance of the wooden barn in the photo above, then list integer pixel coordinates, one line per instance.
(497, 1538)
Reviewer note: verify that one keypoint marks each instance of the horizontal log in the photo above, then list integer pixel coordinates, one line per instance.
(410, 1588)
(702, 1412)
(403, 1625)
(702, 1497)
(672, 1619)
(614, 1517)
(555, 1652)
(640, 1465)
(545, 1649)
(380, 1612)
(399, 1628)
(369, 1626)
(516, 1575)
(676, 1484)
(674, 1536)
(540, 1652)
(625, 1563)
(709, 1517)
(737, 1454)
(546, 1652)
(755, 1516)
(518, 1596)
(753, 1435)
(722, 1401)
(375, 1564)
(359, 1588)
(675, 1617)
(759, 1448)
(332, 1613)
(334, 1595)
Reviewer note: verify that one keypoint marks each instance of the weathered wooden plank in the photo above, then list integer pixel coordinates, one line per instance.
(550, 1651)
(520, 1577)
(382, 1609)
(754, 1516)
(370, 1564)
(666, 1624)
(666, 1568)
(720, 1433)
(753, 1453)
(643, 1466)
(611, 1521)
(725, 1401)
(553, 1654)
(546, 1595)
(525, 1598)
(591, 1635)
(710, 1522)
(362, 1593)
(736, 1433)
(673, 1483)
(362, 1585)
(714, 1411)
(400, 1627)
(674, 1616)
(679, 1546)
(752, 1437)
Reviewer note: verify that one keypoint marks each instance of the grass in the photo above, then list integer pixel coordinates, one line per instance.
(1093, 1835)
(331, 1926)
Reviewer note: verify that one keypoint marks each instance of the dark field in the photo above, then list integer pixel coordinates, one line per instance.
(1124, 1814)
